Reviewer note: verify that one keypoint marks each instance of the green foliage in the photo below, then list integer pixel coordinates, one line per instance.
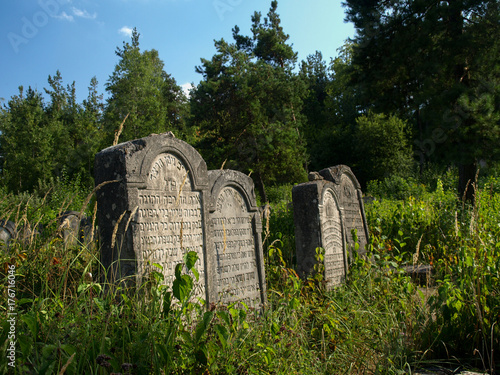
(141, 89)
(248, 106)
(27, 142)
(380, 321)
(468, 299)
(383, 145)
(431, 63)
(331, 109)
(39, 141)
(420, 218)
(395, 187)
(461, 242)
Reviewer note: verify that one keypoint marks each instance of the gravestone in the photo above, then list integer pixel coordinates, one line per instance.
(69, 225)
(7, 232)
(87, 234)
(235, 229)
(351, 204)
(318, 224)
(155, 210)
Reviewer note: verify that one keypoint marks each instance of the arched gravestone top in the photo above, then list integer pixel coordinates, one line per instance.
(235, 229)
(318, 224)
(160, 206)
(351, 203)
(138, 156)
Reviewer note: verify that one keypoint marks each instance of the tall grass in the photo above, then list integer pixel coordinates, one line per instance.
(379, 322)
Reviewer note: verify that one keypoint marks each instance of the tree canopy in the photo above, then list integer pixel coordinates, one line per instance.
(249, 104)
(140, 88)
(426, 61)
(420, 75)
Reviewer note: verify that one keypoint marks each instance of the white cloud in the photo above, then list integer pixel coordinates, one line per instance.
(84, 14)
(125, 30)
(186, 88)
(64, 16)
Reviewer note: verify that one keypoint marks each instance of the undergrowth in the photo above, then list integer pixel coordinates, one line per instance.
(379, 322)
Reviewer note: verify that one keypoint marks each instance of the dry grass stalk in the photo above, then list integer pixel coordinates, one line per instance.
(130, 217)
(115, 229)
(129, 220)
(267, 214)
(223, 164)
(180, 189)
(119, 131)
(89, 197)
(417, 253)
(93, 223)
(70, 359)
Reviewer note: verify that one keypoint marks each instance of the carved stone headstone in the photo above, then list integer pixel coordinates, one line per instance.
(7, 232)
(69, 225)
(155, 211)
(236, 228)
(351, 204)
(318, 224)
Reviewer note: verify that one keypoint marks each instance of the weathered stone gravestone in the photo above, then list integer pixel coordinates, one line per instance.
(157, 201)
(23, 234)
(76, 231)
(69, 225)
(351, 204)
(156, 211)
(318, 224)
(7, 232)
(235, 229)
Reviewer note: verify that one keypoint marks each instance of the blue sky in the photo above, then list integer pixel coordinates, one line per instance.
(79, 37)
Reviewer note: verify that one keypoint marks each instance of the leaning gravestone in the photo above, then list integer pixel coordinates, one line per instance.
(318, 224)
(351, 204)
(235, 229)
(155, 211)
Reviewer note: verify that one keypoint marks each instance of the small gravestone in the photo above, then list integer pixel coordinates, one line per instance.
(318, 224)
(351, 204)
(69, 225)
(155, 210)
(7, 232)
(236, 228)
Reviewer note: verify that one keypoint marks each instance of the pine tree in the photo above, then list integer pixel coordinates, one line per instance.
(417, 59)
(26, 142)
(140, 88)
(248, 105)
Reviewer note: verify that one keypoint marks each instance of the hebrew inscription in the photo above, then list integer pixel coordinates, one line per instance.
(353, 217)
(169, 218)
(234, 243)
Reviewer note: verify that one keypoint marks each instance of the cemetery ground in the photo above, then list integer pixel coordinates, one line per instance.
(68, 320)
